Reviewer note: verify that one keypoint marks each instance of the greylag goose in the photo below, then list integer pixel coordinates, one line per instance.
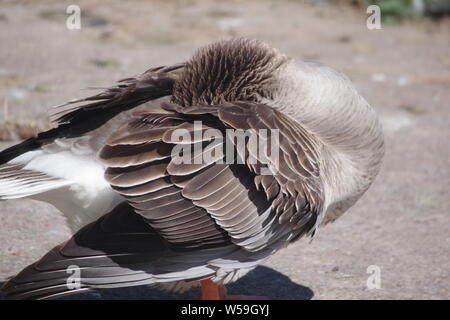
(143, 214)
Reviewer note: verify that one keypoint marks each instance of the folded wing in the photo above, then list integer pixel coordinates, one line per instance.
(189, 219)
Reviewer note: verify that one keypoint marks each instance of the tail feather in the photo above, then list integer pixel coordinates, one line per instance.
(100, 108)
(17, 182)
(19, 149)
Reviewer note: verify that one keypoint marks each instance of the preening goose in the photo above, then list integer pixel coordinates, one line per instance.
(145, 214)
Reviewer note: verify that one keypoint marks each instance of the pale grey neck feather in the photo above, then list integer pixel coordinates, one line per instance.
(325, 102)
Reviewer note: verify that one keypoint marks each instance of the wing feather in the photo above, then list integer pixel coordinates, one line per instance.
(204, 202)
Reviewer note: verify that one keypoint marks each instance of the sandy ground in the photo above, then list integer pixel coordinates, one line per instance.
(402, 224)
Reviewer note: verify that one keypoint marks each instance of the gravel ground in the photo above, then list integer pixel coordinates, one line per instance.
(402, 224)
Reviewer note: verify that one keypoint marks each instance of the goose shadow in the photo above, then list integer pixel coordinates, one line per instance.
(262, 281)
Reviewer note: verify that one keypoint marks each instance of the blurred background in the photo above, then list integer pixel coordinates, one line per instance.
(401, 225)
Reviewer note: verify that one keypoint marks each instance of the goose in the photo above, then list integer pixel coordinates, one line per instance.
(142, 214)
